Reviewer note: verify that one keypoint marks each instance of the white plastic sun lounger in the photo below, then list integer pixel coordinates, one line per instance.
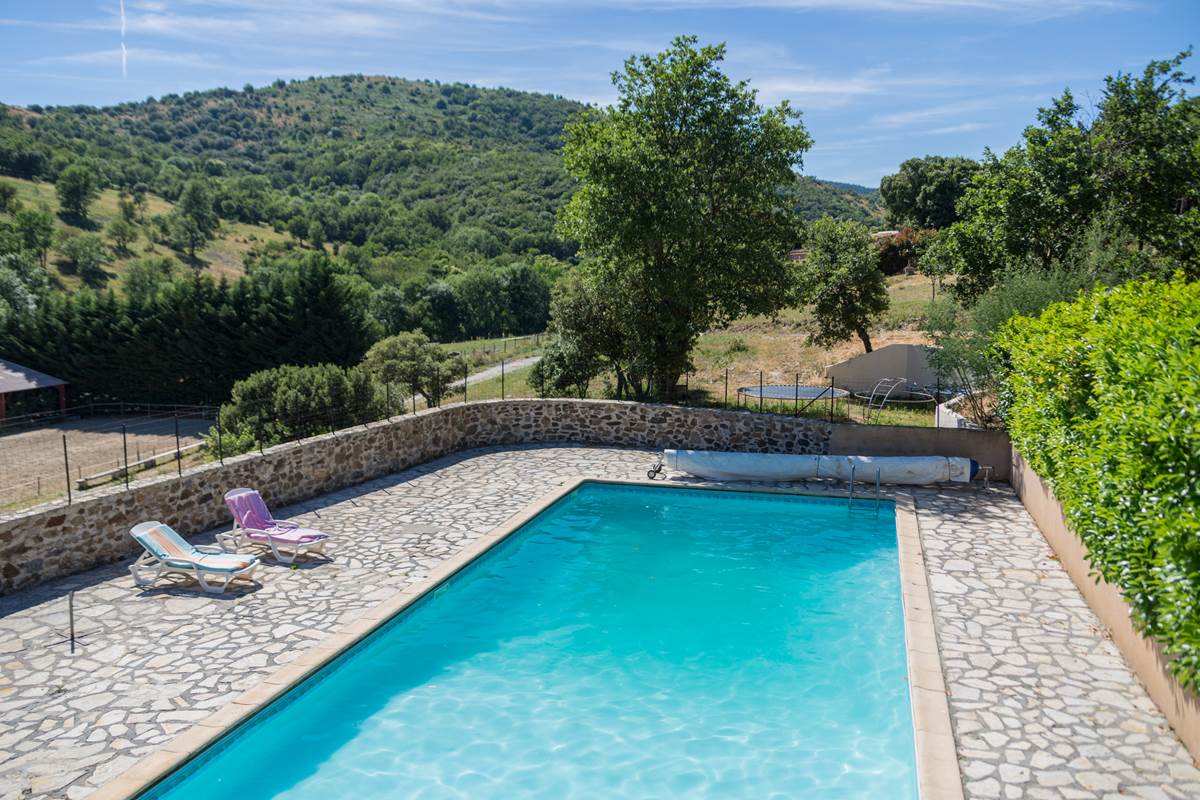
(166, 551)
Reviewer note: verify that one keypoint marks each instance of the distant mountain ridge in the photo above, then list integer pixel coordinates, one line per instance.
(399, 166)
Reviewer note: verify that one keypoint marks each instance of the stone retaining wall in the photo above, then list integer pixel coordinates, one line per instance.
(48, 542)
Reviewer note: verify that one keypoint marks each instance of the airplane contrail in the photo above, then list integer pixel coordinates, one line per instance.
(124, 52)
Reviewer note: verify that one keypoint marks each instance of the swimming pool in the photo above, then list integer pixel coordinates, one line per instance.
(627, 641)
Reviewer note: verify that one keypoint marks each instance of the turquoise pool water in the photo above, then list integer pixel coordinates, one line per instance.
(627, 642)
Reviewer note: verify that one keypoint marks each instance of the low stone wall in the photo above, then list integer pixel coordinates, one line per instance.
(49, 542)
(1180, 706)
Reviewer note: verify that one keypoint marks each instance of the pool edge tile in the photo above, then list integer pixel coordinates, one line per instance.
(938, 773)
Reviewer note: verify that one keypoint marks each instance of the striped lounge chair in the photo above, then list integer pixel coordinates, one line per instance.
(166, 551)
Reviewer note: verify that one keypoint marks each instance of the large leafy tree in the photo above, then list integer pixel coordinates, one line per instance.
(36, 226)
(194, 221)
(840, 278)
(924, 192)
(678, 201)
(77, 189)
(1147, 152)
(421, 367)
(1133, 165)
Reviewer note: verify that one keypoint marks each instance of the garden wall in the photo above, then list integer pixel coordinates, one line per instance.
(1180, 706)
(48, 542)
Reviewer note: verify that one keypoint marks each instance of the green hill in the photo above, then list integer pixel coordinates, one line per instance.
(815, 198)
(432, 176)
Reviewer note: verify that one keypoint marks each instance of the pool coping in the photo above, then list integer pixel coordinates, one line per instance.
(938, 775)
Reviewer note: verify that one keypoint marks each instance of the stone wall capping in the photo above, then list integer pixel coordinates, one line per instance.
(54, 540)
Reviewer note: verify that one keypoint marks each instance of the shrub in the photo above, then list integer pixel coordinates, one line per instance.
(277, 405)
(1102, 397)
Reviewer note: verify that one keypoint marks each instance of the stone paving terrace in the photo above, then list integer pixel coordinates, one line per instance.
(1041, 702)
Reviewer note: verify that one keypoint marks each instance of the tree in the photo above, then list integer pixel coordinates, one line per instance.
(483, 303)
(86, 254)
(21, 285)
(291, 402)
(37, 230)
(677, 200)
(564, 368)
(127, 207)
(1133, 163)
(410, 360)
(924, 192)
(122, 234)
(184, 234)
(591, 333)
(527, 295)
(8, 198)
(1147, 145)
(840, 278)
(77, 189)
(143, 277)
(194, 221)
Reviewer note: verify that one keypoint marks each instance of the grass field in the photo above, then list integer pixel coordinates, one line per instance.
(779, 348)
(486, 352)
(222, 258)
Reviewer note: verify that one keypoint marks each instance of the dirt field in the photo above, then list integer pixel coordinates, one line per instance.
(31, 460)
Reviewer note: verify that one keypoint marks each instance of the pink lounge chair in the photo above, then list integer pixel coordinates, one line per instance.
(252, 522)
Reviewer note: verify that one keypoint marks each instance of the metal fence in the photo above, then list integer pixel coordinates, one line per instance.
(885, 401)
(59, 457)
(58, 454)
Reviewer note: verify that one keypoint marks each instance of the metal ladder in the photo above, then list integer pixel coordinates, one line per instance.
(879, 396)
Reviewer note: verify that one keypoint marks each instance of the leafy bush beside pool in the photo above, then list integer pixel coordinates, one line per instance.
(1102, 398)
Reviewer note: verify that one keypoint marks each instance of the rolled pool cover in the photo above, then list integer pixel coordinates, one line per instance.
(913, 470)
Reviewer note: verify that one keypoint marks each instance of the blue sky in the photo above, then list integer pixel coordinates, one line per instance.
(878, 80)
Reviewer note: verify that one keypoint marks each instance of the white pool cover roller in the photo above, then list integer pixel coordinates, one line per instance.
(724, 466)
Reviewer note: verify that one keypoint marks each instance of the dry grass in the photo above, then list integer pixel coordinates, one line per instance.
(222, 258)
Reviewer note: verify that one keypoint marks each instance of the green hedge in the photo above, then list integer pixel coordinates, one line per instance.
(1102, 398)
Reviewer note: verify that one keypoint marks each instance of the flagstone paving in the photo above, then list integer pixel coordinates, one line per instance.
(1041, 702)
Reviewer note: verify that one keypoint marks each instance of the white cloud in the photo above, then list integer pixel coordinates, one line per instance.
(962, 127)
(141, 55)
(951, 108)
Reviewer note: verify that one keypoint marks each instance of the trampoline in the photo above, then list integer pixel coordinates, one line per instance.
(791, 391)
(911, 396)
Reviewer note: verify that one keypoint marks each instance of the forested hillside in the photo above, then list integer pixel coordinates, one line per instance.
(394, 165)
(814, 198)
(428, 206)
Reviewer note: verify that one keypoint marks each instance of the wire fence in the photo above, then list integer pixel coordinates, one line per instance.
(59, 455)
(883, 401)
(62, 458)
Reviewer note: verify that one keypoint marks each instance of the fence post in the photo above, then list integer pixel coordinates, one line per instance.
(726, 403)
(937, 403)
(125, 450)
(178, 454)
(686, 388)
(67, 468)
(466, 376)
(387, 389)
(502, 379)
(797, 412)
(760, 391)
(220, 444)
(831, 398)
